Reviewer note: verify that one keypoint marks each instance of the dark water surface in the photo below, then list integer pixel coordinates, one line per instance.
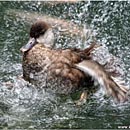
(26, 107)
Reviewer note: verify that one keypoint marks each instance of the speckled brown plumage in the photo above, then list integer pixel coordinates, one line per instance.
(51, 68)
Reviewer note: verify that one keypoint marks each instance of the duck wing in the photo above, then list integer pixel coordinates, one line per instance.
(113, 86)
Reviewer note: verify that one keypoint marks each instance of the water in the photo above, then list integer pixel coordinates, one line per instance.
(25, 106)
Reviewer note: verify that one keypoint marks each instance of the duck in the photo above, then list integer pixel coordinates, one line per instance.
(65, 70)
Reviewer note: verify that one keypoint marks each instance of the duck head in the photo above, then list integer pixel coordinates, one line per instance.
(40, 32)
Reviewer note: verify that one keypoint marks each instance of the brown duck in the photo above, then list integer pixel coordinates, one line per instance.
(64, 70)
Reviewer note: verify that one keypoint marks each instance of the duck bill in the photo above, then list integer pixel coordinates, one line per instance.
(29, 45)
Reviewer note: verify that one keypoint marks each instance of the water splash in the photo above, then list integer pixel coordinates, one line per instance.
(24, 106)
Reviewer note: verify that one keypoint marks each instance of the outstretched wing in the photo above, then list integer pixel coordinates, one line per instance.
(112, 86)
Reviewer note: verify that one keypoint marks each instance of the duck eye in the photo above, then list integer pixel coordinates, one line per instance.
(41, 33)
